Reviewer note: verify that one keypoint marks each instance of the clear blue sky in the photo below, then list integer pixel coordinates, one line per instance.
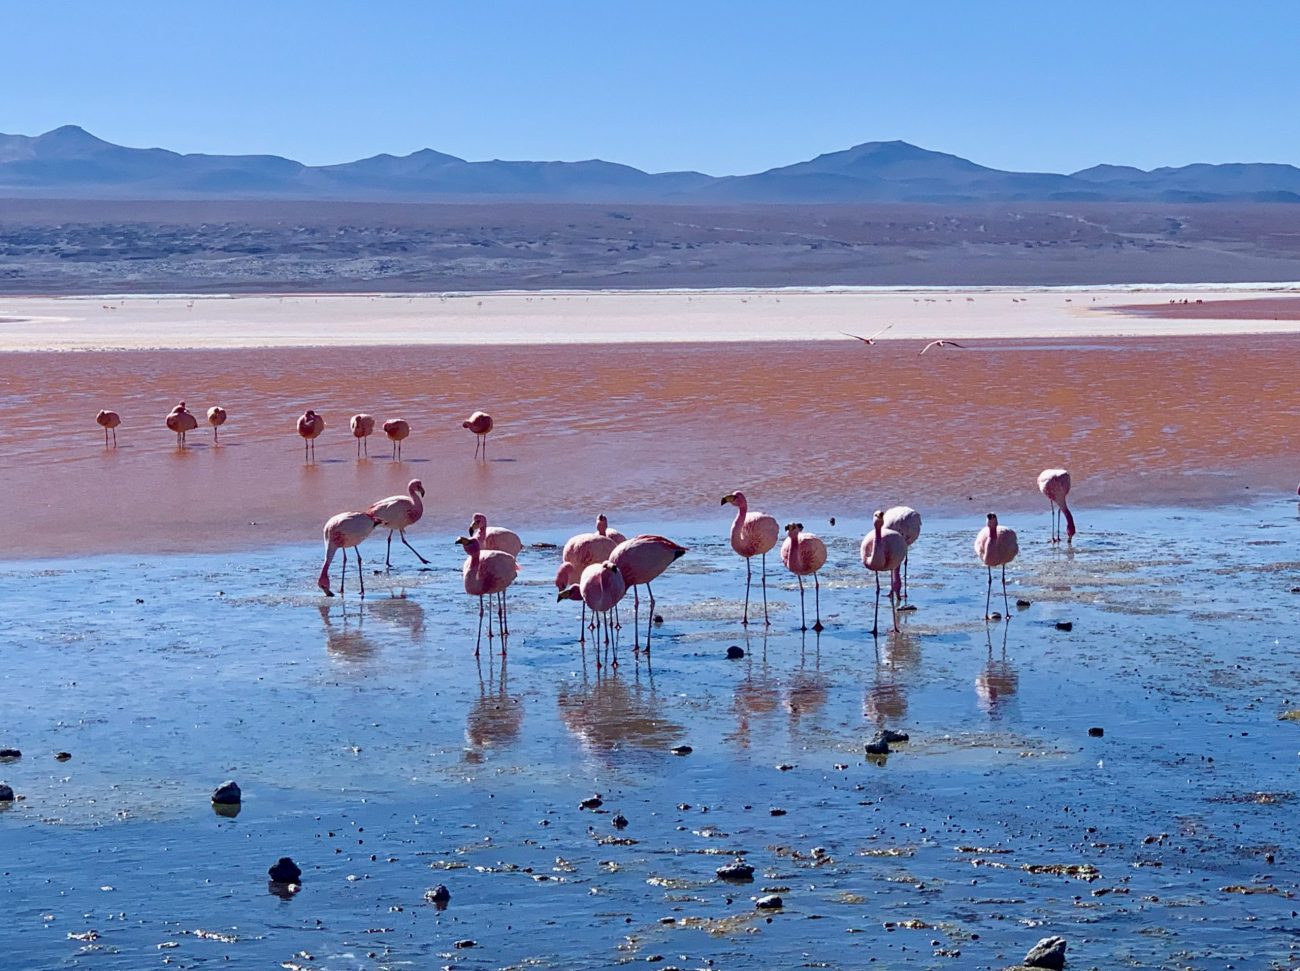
(725, 87)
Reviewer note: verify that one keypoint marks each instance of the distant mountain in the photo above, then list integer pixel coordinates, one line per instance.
(70, 162)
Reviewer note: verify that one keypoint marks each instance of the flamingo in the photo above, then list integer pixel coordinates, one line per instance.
(600, 588)
(480, 423)
(996, 546)
(310, 425)
(216, 418)
(347, 529)
(883, 551)
(495, 537)
(397, 513)
(640, 560)
(867, 340)
(587, 548)
(566, 576)
(181, 421)
(363, 426)
(1055, 484)
(487, 573)
(397, 429)
(905, 521)
(942, 344)
(803, 553)
(107, 420)
(602, 527)
(752, 534)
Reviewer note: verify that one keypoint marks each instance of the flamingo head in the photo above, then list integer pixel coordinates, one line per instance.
(792, 529)
(464, 424)
(564, 575)
(878, 519)
(735, 498)
(414, 486)
(609, 567)
(471, 545)
(478, 522)
(602, 524)
(309, 415)
(993, 521)
(570, 592)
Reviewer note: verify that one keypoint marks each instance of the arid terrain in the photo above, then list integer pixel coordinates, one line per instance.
(68, 247)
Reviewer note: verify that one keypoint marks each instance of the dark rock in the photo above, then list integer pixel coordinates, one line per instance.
(1022, 603)
(769, 902)
(889, 736)
(683, 806)
(659, 618)
(739, 872)
(877, 746)
(227, 794)
(467, 942)
(438, 895)
(735, 653)
(682, 750)
(1047, 953)
(832, 520)
(1065, 625)
(1096, 732)
(619, 821)
(592, 802)
(774, 811)
(10, 753)
(63, 756)
(6, 793)
(285, 871)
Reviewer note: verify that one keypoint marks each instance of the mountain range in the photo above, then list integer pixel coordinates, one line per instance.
(69, 162)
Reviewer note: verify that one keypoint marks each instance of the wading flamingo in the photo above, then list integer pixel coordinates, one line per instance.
(107, 420)
(397, 513)
(216, 418)
(752, 534)
(495, 537)
(480, 423)
(363, 426)
(397, 430)
(181, 421)
(567, 576)
(310, 425)
(804, 554)
(883, 551)
(488, 573)
(640, 560)
(905, 521)
(1055, 484)
(601, 588)
(996, 546)
(347, 529)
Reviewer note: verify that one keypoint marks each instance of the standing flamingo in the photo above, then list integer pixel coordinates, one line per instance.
(905, 521)
(601, 588)
(181, 421)
(488, 572)
(216, 418)
(640, 560)
(803, 553)
(495, 537)
(480, 423)
(363, 426)
(397, 513)
(752, 534)
(602, 527)
(883, 551)
(397, 430)
(996, 546)
(310, 425)
(347, 529)
(107, 420)
(1055, 484)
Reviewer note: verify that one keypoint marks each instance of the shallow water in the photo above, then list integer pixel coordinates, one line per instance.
(378, 752)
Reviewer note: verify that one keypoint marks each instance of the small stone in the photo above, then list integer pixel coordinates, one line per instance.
(63, 756)
(739, 871)
(1096, 732)
(659, 618)
(438, 895)
(683, 806)
(682, 750)
(769, 902)
(466, 943)
(1047, 953)
(1022, 603)
(619, 821)
(774, 811)
(877, 746)
(784, 766)
(735, 652)
(1065, 625)
(592, 802)
(889, 736)
(10, 753)
(6, 793)
(227, 794)
(285, 871)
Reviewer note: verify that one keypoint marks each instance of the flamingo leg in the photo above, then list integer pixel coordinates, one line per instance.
(479, 643)
(651, 622)
(1006, 604)
(388, 557)
(875, 618)
(360, 578)
(905, 559)
(803, 621)
(582, 625)
(766, 621)
(749, 579)
(817, 597)
(343, 570)
(618, 624)
(988, 594)
(115, 438)
(105, 436)
(366, 440)
(402, 534)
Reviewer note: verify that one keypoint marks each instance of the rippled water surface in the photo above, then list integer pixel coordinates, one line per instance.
(375, 749)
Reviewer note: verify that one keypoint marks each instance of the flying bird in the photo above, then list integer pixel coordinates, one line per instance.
(942, 344)
(867, 340)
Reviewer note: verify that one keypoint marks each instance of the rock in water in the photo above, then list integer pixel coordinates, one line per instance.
(438, 895)
(682, 750)
(889, 736)
(1047, 953)
(6, 793)
(227, 794)
(738, 871)
(769, 902)
(877, 746)
(285, 871)
(735, 652)
(1065, 625)
(1096, 732)
(10, 753)
(619, 821)
(592, 802)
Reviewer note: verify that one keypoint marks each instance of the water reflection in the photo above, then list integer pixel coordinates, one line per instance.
(885, 700)
(609, 712)
(807, 690)
(758, 693)
(998, 681)
(495, 719)
(345, 638)
(399, 611)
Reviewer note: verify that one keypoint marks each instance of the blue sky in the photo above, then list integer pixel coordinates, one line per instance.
(723, 87)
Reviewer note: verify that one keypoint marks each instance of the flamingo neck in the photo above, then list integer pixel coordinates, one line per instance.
(1069, 519)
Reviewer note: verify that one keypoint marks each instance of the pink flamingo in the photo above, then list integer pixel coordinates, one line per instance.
(310, 425)
(487, 573)
(344, 531)
(803, 553)
(363, 426)
(107, 420)
(602, 527)
(996, 546)
(883, 551)
(216, 418)
(397, 430)
(1055, 484)
(905, 521)
(752, 534)
(640, 560)
(480, 423)
(181, 421)
(566, 576)
(399, 512)
(587, 548)
(600, 588)
(495, 537)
